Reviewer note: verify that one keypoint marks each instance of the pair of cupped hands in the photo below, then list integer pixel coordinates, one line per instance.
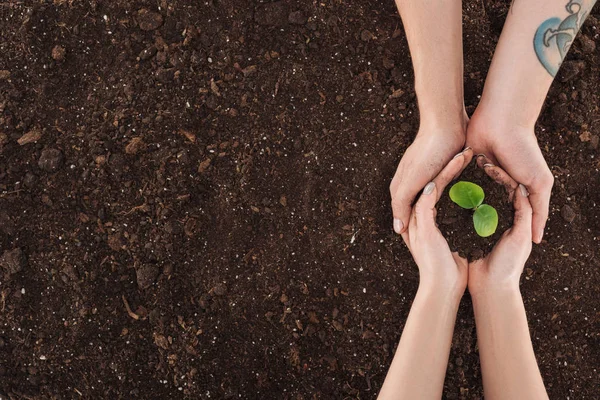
(444, 271)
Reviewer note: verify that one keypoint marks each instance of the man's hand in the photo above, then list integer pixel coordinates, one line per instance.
(515, 149)
(432, 149)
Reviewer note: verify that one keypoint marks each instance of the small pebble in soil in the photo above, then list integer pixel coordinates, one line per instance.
(567, 213)
(146, 274)
(51, 159)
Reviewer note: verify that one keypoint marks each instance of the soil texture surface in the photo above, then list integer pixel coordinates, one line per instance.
(194, 201)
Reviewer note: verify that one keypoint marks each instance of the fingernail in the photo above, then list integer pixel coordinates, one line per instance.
(524, 192)
(488, 165)
(461, 153)
(398, 225)
(429, 188)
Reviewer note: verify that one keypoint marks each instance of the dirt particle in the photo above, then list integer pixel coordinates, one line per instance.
(146, 274)
(4, 74)
(149, 20)
(571, 69)
(188, 135)
(12, 261)
(115, 242)
(587, 44)
(567, 213)
(51, 159)
(161, 341)
(366, 35)
(297, 18)
(594, 142)
(7, 226)
(338, 326)
(220, 289)
(204, 165)
(30, 137)
(272, 14)
(396, 94)
(249, 70)
(59, 53)
(3, 140)
(135, 145)
(148, 53)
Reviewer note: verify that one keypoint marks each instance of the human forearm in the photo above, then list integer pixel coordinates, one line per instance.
(535, 39)
(419, 365)
(508, 363)
(434, 33)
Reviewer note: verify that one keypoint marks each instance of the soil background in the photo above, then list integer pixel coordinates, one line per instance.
(221, 169)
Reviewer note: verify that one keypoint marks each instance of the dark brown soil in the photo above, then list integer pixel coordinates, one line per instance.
(456, 223)
(194, 201)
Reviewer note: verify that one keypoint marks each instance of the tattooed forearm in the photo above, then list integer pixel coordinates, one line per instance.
(555, 35)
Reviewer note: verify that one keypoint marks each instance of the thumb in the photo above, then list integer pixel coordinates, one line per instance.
(523, 213)
(401, 208)
(425, 207)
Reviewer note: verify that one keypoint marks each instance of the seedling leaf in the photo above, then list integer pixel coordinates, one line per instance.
(467, 194)
(485, 220)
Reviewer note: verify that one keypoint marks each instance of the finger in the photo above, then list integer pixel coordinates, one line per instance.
(501, 177)
(460, 261)
(454, 168)
(483, 159)
(406, 238)
(401, 208)
(424, 215)
(523, 213)
(540, 202)
(467, 155)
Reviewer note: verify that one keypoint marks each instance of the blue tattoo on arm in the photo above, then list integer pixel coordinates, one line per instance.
(554, 36)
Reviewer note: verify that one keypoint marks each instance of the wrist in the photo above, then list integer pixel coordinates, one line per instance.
(495, 125)
(444, 119)
(505, 118)
(442, 105)
(495, 291)
(447, 293)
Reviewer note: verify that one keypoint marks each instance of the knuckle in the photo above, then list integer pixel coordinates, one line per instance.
(420, 209)
(397, 204)
(547, 179)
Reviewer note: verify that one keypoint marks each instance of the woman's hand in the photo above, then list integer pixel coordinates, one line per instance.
(515, 149)
(431, 150)
(440, 270)
(502, 268)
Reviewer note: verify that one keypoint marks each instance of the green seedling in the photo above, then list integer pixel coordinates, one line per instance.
(470, 196)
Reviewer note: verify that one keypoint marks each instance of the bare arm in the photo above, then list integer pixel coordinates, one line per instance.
(535, 39)
(421, 359)
(434, 34)
(508, 364)
(419, 365)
